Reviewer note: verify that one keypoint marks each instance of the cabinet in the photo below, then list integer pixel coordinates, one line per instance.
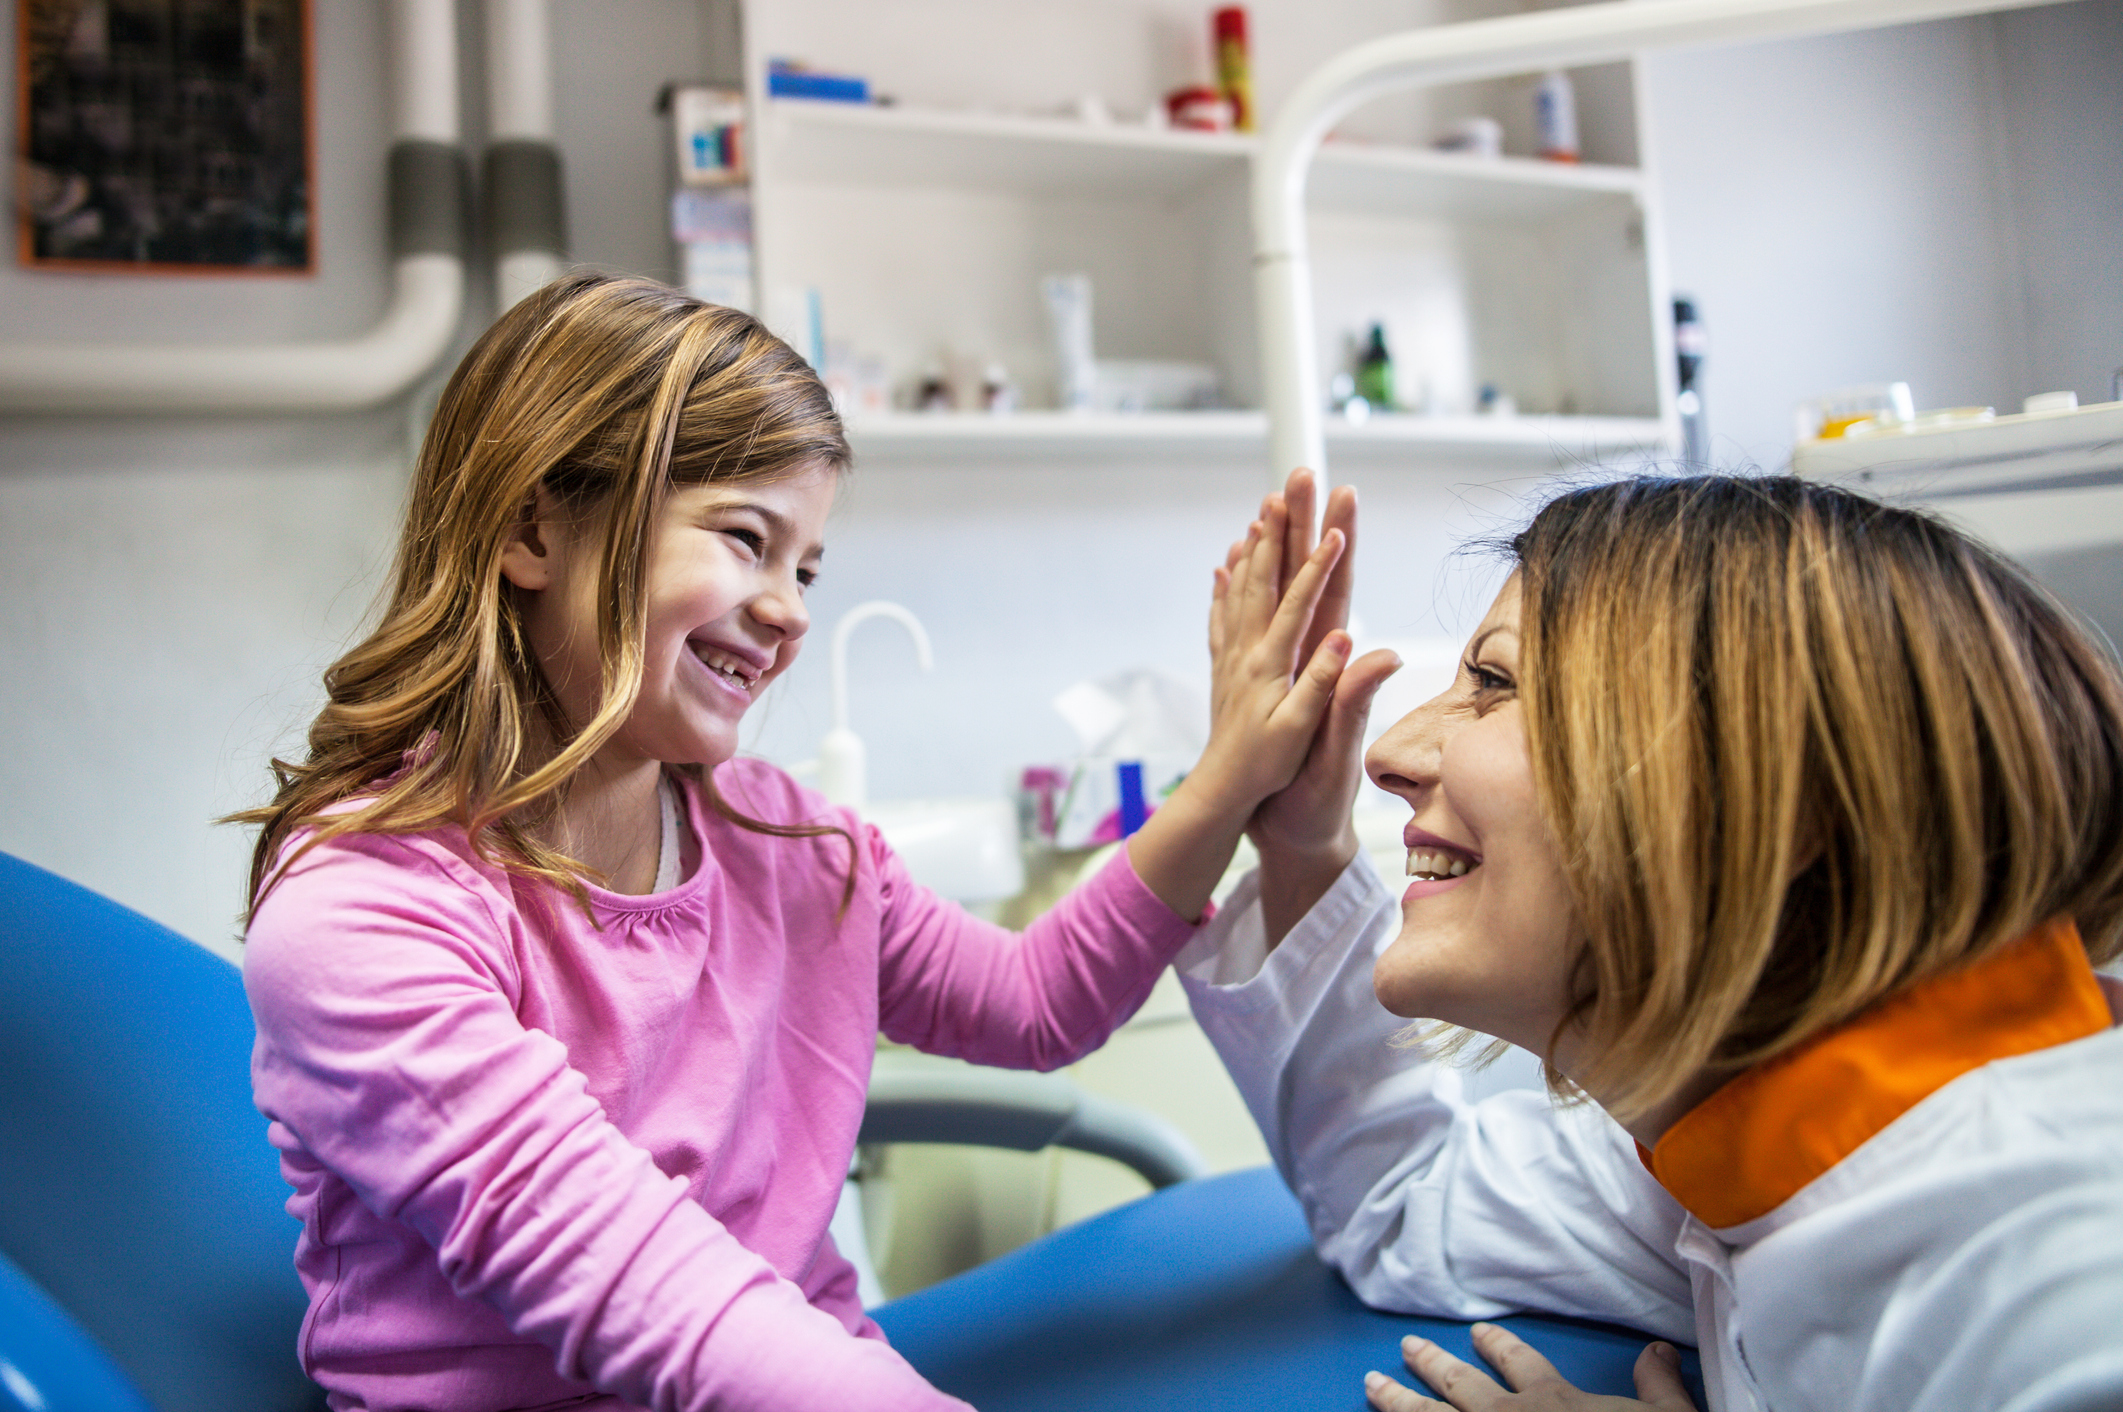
(925, 226)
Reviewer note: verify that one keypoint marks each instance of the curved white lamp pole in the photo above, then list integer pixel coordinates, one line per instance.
(843, 774)
(1454, 53)
(427, 190)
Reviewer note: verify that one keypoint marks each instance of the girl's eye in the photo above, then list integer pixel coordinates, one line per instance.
(806, 577)
(752, 540)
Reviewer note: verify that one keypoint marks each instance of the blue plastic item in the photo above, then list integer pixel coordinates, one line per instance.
(829, 88)
(1206, 1294)
(136, 1185)
(47, 1362)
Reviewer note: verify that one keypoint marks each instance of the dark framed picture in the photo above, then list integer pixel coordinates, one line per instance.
(165, 136)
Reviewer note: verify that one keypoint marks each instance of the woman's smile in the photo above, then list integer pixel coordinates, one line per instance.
(1490, 953)
(1434, 863)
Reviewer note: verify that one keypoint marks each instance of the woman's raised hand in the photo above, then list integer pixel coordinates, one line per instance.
(1535, 1384)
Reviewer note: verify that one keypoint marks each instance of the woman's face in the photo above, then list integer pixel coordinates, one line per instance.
(1487, 933)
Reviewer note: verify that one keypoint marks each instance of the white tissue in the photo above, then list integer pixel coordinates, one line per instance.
(1143, 717)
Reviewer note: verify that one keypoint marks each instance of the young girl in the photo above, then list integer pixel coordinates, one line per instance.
(1786, 826)
(565, 1016)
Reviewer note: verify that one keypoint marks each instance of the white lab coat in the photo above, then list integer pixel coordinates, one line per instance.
(1969, 1256)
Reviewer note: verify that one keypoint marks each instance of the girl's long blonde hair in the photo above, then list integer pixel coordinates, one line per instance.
(1800, 750)
(604, 392)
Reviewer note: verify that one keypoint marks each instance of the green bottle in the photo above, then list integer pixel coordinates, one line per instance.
(1374, 372)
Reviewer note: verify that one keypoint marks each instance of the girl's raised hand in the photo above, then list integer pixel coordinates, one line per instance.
(1267, 699)
(1271, 676)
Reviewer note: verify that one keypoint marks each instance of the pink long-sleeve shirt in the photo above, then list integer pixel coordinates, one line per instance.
(537, 1160)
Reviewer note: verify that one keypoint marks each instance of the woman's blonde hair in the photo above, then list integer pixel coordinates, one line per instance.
(603, 392)
(1800, 749)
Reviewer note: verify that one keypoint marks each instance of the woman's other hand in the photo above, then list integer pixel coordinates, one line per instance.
(1535, 1384)
(1303, 831)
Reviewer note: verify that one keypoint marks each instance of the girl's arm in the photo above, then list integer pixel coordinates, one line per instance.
(389, 1052)
(1426, 1203)
(953, 985)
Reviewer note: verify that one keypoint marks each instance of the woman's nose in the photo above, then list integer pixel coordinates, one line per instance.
(1404, 760)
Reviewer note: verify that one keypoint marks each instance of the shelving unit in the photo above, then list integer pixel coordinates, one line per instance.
(1047, 435)
(925, 229)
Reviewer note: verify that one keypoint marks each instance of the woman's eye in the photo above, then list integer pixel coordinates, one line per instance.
(1487, 680)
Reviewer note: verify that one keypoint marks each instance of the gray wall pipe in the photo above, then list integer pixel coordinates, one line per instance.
(526, 220)
(427, 192)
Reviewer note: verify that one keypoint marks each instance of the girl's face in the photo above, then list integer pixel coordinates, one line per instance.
(1487, 933)
(727, 569)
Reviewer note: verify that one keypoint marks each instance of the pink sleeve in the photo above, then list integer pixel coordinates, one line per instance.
(952, 984)
(389, 1046)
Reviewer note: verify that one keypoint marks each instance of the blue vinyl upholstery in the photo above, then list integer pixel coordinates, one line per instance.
(1206, 1294)
(136, 1186)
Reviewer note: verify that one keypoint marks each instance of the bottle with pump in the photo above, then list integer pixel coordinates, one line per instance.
(1374, 372)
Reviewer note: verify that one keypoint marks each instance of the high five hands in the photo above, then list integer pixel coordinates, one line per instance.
(1303, 831)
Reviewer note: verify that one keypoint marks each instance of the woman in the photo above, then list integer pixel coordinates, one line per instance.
(1783, 824)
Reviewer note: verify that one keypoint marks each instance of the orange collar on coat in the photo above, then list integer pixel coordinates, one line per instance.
(1752, 1145)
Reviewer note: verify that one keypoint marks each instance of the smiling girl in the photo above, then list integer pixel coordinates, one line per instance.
(1786, 826)
(565, 1015)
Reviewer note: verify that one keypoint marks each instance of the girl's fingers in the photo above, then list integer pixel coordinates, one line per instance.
(1461, 1384)
(1658, 1379)
(1387, 1395)
(1263, 574)
(1312, 693)
(1294, 614)
(1300, 496)
(1515, 1358)
(1219, 591)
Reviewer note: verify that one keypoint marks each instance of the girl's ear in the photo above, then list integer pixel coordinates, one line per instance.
(530, 556)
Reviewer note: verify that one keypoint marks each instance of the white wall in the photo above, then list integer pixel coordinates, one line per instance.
(170, 589)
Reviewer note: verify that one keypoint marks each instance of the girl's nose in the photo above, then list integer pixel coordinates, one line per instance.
(1404, 760)
(781, 607)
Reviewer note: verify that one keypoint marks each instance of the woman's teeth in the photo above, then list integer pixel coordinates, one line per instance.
(1431, 866)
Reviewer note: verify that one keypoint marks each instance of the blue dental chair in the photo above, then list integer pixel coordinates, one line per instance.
(146, 1258)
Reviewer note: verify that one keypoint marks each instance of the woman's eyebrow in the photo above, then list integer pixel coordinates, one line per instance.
(1474, 648)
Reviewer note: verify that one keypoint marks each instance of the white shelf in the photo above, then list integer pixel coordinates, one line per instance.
(861, 145)
(899, 438)
(1398, 180)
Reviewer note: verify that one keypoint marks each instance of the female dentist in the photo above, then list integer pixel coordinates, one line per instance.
(1785, 826)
